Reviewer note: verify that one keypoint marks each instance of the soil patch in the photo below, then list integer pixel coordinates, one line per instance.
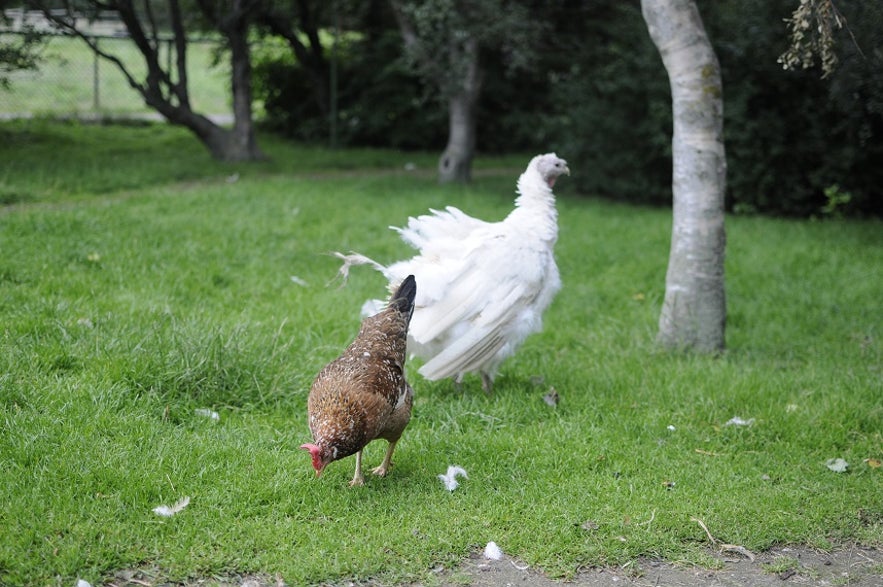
(792, 565)
(853, 566)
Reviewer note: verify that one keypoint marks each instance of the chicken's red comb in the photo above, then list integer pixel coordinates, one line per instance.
(314, 454)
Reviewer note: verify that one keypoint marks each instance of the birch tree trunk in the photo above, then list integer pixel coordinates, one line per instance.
(693, 313)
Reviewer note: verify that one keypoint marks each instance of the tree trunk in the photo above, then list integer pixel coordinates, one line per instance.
(455, 164)
(242, 145)
(693, 313)
(158, 87)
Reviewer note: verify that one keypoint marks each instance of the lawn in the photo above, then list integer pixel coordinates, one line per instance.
(71, 81)
(140, 282)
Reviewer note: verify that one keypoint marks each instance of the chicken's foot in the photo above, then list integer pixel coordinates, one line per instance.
(386, 465)
(358, 478)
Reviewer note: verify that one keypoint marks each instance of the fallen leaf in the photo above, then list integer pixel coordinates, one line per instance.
(740, 549)
(837, 465)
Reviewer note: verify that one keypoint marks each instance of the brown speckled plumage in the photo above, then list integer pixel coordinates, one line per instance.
(363, 395)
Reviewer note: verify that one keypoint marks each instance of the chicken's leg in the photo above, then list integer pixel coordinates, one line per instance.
(358, 478)
(386, 465)
(487, 382)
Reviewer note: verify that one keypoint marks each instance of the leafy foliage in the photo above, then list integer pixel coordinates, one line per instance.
(617, 127)
(19, 51)
(789, 135)
(380, 103)
(812, 27)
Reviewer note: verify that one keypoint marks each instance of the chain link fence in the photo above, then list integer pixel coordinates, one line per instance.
(71, 80)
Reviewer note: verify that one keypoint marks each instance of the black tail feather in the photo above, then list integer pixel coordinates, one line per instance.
(403, 299)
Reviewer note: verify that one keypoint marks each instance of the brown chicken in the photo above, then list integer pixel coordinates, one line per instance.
(363, 395)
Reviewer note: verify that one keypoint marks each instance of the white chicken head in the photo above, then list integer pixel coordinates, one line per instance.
(550, 166)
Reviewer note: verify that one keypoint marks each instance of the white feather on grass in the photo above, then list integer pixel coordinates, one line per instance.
(206, 413)
(492, 551)
(450, 478)
(167, 511)
(837, 465)
(737, 421)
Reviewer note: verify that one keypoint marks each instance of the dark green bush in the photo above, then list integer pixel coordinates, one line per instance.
(616, 127)
(380, 103)
(797, 145)
(791, 136)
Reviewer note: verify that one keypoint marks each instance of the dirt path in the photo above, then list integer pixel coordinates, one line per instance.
(852, 566)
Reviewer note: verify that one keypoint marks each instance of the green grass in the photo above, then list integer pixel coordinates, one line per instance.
(137, 290)
(65, 81)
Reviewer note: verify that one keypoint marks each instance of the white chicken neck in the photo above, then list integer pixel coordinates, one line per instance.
(535, 207)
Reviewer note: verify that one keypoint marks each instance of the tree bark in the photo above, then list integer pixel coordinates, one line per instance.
(455, 164)
(456, 70)
(693, 313)
(242, 144)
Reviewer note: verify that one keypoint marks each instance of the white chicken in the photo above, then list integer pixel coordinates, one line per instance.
(483, 285)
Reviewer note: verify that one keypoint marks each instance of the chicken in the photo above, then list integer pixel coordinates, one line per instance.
(363, 395)
(483, 285)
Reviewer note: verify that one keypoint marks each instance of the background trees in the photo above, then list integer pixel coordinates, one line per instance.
(585, 82)
(154, 27)
(448, 42)
(17, 53)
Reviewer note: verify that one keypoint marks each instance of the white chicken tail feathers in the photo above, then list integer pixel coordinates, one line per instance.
(450, 224)
(479, 348)
(447, 312)
(355, 259)
(472, 352)
(403, 299)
